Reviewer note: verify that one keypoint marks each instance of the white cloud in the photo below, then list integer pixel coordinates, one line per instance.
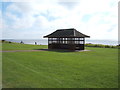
(47, 16)
(0, 20)
(1, 25)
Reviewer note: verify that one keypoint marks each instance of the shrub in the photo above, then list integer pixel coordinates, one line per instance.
(101, 45)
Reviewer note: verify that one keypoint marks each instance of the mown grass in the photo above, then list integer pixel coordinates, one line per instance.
(97, 68)
(0, 66)
(18, 46)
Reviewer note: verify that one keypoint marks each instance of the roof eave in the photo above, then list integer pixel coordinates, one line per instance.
(45, 36)
(87, 36)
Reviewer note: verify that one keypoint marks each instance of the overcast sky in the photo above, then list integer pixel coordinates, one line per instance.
(32, 19)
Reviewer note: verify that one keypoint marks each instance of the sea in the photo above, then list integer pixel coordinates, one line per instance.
(45, 41)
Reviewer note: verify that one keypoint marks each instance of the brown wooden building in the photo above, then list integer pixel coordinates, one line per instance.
(66, 39)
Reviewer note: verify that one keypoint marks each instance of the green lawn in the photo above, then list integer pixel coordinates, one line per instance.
(18, 46)
(97, 68)
(0, 66)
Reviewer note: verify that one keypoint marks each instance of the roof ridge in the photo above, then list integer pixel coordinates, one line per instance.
(66, 29)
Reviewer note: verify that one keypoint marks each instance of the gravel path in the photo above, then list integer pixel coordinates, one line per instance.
(37, 50)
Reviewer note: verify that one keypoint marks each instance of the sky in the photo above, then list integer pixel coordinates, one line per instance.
(33, 19)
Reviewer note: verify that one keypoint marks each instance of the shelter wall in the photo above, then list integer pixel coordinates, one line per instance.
(66, 43)
(66, 46)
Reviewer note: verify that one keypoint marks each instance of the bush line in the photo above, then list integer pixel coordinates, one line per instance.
(101, 45)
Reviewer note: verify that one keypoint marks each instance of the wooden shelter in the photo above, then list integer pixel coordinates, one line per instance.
(66, 39)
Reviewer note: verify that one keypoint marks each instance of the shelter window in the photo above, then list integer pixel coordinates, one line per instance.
(81, 42)
(50, 42)
(81, 38)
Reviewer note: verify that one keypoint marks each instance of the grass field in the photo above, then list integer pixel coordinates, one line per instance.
(97, 68)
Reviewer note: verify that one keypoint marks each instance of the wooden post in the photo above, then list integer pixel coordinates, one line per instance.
(83, 40)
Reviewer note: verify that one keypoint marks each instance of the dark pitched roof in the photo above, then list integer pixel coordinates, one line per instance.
(64, 33)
